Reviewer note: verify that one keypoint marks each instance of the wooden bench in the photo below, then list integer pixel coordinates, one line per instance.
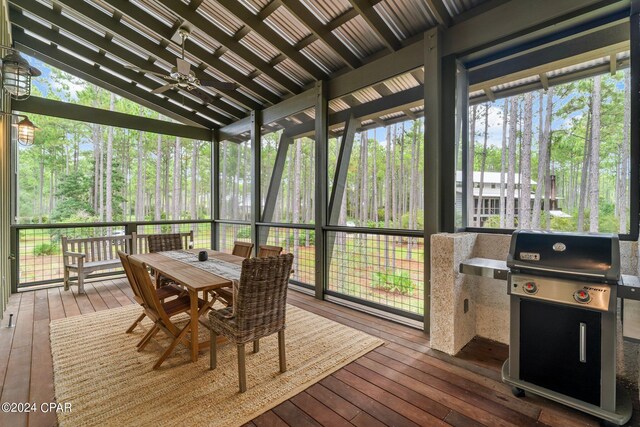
(87, 255)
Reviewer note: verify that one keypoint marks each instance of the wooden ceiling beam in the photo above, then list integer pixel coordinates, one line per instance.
(377, 25)
(199, 21)
(116, 27)
(316, 27)
(260, 27)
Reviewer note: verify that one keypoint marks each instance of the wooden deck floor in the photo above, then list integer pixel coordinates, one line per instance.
(403, 383)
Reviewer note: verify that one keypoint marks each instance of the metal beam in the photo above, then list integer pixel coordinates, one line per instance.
(274, 184)
(57, 58)
(402, 61)
(55, 37)
(439, 12)
(256, 122)
(271, 114)
(315, 26)
(65, 110)
(583, 48)
(260, 27)
(520, 22)
(377, 25)
(342, 167)
(114, 26)
(321, 144)
(199, 21)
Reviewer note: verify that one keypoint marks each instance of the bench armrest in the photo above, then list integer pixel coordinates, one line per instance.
(75, 254)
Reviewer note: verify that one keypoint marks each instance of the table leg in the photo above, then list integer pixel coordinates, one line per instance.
(193, 296)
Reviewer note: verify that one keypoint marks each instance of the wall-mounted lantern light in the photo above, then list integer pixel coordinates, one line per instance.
(26, 129)
(16, 74)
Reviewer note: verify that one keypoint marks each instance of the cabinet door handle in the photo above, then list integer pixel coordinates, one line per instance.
(583, 342)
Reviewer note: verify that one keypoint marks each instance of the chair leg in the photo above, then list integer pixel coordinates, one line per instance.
(213, 349)
(172, 346)
(242, 372)
(256, 346)
(66, 279)
(283, 357)
(138, 320)
(145, 340)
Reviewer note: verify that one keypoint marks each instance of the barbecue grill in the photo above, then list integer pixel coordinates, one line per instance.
(563, 291)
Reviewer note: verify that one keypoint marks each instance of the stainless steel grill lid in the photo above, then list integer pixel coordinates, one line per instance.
(591, 256)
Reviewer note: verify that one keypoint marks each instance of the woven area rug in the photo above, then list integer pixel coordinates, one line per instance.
(98, 370)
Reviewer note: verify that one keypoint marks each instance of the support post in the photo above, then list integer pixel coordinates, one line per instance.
(274, 184)
(321, 143)
(340, 178)
(634, 183)
(255, 178)
(440, 144)
(215, 188)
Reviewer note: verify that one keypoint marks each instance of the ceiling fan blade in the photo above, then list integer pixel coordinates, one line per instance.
(131, 67)
(183, 66)
(216, 84)
(202, 95)
(163, 88)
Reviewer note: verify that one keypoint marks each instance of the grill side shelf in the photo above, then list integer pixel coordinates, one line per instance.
(491, 268)
(629, 287)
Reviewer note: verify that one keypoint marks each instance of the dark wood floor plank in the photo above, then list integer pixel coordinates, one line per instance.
(41, 388)
(318, 411)
(84, 304)
(106, 296)
(7, 334)
(69, 303)
(400, 406)
(269, 419)
(426, 389)
(333, 401)
(124, 286)
(56, 309)
(434, 408)
(456, 419)
(117, 293)
(504, 398)
(366, 403)
(499, 409)
(16, 382)
(294, 416)
(95, 298)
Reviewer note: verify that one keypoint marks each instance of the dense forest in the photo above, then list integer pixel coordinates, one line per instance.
(568, 147)
(83, 172)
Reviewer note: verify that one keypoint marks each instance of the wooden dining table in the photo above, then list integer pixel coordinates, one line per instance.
(195, 280)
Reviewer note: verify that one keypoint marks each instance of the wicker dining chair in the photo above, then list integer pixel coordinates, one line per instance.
(163, 292)
(161, 243)
(161, 312)
(242, 249)
(265, 251)
(259, 310)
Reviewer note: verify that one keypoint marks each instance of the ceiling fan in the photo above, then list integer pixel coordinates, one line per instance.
(182, 77)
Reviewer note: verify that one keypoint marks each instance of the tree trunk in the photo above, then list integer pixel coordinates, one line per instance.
(364, 186)
(483, 162)
(109, 171)
(296, 202)
(511, 172)
(176, 179)
(584, 176)
(525, 165)
(503, 155)
(623, 201)
(139, 203)
(194, 179)
(387, 195)
(157, 212)
(471, 165)
(543, 161)
(594, 167)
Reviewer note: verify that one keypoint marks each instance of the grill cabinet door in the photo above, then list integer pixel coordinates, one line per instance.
(550, 349)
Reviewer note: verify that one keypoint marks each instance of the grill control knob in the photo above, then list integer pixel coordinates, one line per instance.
(530, 288)
(582, 296)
